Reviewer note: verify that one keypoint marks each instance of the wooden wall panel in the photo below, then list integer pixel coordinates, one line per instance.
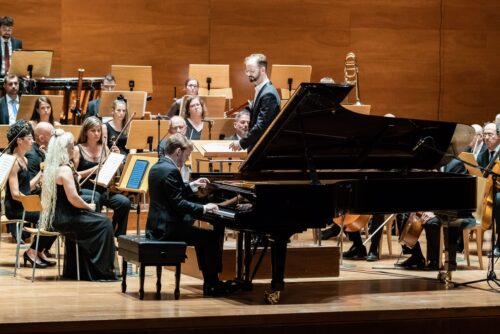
(432, 59)
(165, 34)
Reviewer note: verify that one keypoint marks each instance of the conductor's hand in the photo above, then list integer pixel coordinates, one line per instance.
(201, 182)
(211, 208)
(91, 206)
(235, 146)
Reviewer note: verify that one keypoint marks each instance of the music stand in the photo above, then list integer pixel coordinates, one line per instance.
(287, 78)
(215, 105)
(363, 109)
(217, 151)
(27, 104)
(3, 135)
(136, 101)
(144, 134)
(74, 129)
(130, 170)
(210, 75)
(133, 78)
(221, 129)
(471, 161)
(32, 63)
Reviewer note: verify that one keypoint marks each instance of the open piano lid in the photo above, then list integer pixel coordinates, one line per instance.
(314, 126)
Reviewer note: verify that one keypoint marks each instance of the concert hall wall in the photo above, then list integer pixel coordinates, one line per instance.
(426, 59)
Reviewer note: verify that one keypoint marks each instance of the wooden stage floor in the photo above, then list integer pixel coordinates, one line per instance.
(366, 296)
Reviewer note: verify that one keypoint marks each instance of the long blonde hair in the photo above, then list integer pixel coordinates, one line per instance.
(57, 155)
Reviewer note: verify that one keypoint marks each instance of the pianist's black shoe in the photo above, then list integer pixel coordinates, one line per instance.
(330, 232)
(220, 288)
(432, 266)
(413, 262)
(355, 253)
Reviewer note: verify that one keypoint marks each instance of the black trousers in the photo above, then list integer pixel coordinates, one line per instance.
(208, 246)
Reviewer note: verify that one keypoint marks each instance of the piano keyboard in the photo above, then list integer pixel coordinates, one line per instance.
(225, 213)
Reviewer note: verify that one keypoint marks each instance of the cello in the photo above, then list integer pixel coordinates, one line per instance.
(487, 208)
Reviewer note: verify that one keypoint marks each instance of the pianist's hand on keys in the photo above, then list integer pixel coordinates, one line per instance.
(210, 208)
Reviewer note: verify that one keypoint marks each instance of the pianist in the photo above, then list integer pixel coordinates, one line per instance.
(170, 213)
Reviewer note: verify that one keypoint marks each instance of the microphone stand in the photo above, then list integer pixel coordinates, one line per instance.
(490, 275)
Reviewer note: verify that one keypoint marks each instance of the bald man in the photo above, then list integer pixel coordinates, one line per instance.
(35, 156)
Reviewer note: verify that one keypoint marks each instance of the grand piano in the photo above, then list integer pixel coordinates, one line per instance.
(318, 160)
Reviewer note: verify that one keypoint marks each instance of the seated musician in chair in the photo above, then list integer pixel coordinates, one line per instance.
(170, 213)
(241, 122)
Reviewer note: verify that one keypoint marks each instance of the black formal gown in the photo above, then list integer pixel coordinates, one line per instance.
(94, 234)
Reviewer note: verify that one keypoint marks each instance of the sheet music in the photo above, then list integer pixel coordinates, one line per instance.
(109, 168)
(6, 163)
(217, 147)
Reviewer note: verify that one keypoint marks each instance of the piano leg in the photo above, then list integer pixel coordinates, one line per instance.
(278, 258)
(451, 231)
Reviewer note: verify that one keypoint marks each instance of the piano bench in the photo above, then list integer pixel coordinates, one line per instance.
(144, 252)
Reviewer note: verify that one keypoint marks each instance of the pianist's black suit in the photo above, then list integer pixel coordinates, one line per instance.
(169, 217)
(265, 107)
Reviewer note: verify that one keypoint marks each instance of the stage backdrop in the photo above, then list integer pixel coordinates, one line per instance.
(431, 59)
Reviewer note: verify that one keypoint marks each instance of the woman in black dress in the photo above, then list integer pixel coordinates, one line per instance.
(86, 157)
(66, 212)
(19, 184)
(195, 113)
(112, 129)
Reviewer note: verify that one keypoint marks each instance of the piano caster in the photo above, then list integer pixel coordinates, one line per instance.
(272, 297)
(445, 277)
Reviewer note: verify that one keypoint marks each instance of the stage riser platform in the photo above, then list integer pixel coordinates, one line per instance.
(301, 262)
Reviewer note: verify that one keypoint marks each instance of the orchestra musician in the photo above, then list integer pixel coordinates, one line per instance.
(108, 85)
(241, 122)
(9, 43)
(492, 142)
(86, 159)
(36, 156)
(9, 103)
(191, 87)
(265, 105)
(194, 113)
(19, 184)
(112, 129)
(42, 112)
(66, 212)
(171, 211)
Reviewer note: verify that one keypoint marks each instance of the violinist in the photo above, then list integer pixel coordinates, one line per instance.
(19, 184)
(86, 157)
(191, 87)
(485, 159)
(36, 156)
(115, 130)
